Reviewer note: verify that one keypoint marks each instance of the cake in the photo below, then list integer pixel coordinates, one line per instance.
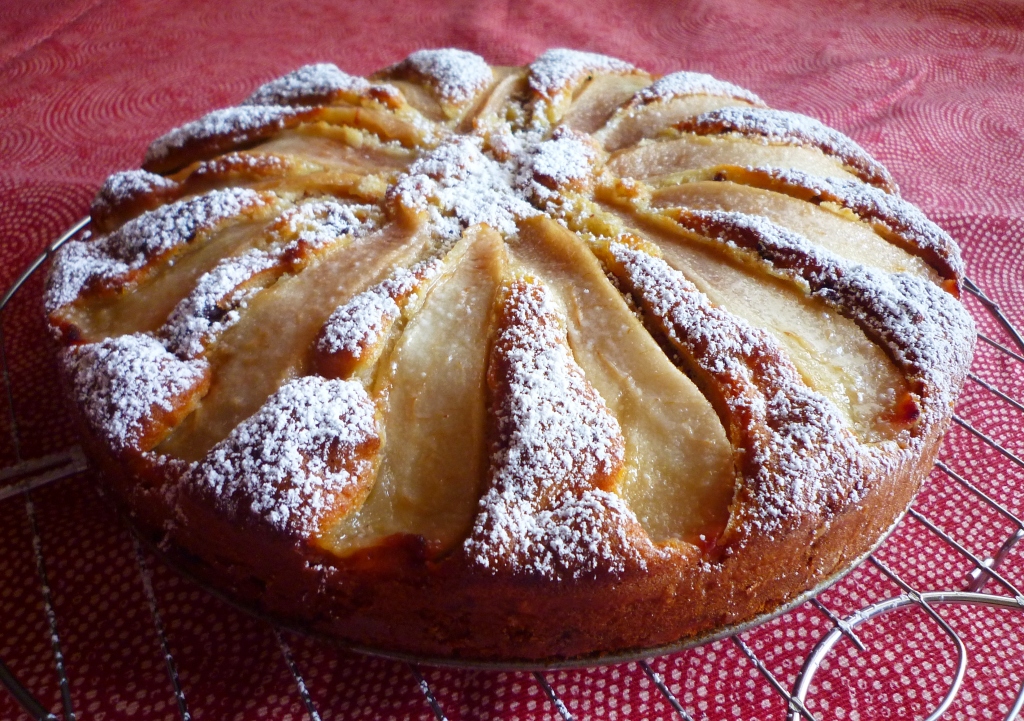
(527, 365)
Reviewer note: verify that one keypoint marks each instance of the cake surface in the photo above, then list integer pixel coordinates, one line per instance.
(504, 364)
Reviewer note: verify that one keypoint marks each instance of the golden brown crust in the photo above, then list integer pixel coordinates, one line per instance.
(391, 598)
(221, 138)
(353, 338)
(128, 194)
(782, 127)
(895, 220)
(131, 391)
(455, 79)
(555, 565)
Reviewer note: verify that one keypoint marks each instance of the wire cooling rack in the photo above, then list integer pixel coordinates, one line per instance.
(849, 647)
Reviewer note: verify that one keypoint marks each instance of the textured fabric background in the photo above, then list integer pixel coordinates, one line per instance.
(935, 90)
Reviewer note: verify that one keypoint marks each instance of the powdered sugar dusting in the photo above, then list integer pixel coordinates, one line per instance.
(127, 186)
(213, 305)
(112, 259)
(242, 166)
(456, 75)
(76, 265)
(360, 323)
(779, 126)
(459, 186)
(122, 383)
(791, 439)
(219, 296)
(681, 84)
(236, 124)
(927, 332)
(290, 464)
(556, 440)
(560, 68)
(548, 512)
(893, 212)
(566, 160)
(317, 223)
(313, 84)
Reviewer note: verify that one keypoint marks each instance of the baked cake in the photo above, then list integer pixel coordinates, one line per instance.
(510, 364)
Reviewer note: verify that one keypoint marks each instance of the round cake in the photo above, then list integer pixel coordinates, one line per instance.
(525, 365)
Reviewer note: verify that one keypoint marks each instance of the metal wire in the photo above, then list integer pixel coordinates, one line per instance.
(158, 624)
(926, 600)
(988, 440)
(51, 616)
(25, 476)
(659, 683)
(983, 567)
(961, 649)
(557, 702)
(1004, 550)
(794, 704)
(41, 471)
(425, 688)
(995, 391)
(840, 624)
(994, 308)
(300, 682)
(1000, 347)
(37, 548)
(23, 696)
(34, 265)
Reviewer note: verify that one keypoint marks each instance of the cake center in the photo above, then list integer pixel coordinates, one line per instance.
(497, 178)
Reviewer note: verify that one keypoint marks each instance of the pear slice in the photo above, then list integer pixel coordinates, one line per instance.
(679, 477)
(270, 343)
(599, 99)
(844, 235)
(632, 124)
(832, 353)
(498, 104)
(340, 147)
(690, 152)
(147, 306)
(420, 98)
(433, 462)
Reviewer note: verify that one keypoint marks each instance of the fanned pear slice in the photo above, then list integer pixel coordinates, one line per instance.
(679, 478)
(832, 353)
(269, 344)
(632, 124)
(434, 394)
(340, 147)
(286, 175)
(556, 454)
(147, 306)
(420, 98)
(691, 152)
(498, 106)
(599, 99)
(358, 334)
(844, 235)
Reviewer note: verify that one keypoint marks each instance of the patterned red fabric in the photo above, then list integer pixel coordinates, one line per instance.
(935, 90)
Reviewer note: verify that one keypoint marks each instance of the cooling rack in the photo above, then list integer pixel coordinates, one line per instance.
(845, 654)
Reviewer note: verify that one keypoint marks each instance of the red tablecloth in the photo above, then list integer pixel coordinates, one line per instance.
(935, 90)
